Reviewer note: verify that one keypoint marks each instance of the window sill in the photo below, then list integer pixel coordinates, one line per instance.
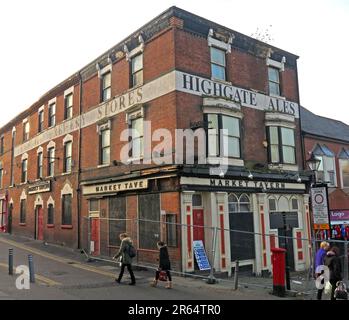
(228, 83)
(276, 96)
(130, 161)
(66, 173)
(50, 226)
(283, 166)
(68, 227)
(23, 224)
(103, 165)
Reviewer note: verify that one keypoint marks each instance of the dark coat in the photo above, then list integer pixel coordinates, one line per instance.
(123, 251)
(164, 259)
(334, 264)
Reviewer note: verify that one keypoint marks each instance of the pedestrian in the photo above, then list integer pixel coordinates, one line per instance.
(126, 260)
(319, 264)
(333, 262)
(164, 265)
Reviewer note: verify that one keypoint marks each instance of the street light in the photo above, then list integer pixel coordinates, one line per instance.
(313, 164)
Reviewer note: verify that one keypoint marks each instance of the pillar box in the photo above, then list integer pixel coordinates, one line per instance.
(279, 266)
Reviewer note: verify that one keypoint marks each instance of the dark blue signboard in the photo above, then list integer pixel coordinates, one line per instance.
(200, 255)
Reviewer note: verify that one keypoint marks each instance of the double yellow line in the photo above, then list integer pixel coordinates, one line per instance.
(41, 279)
(69, 262)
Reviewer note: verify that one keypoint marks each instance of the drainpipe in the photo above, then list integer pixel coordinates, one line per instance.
(79, 165)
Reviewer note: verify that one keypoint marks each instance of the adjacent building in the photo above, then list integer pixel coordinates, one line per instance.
(64, 177)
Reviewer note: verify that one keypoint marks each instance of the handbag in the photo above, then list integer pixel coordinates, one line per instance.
(163, 276)
(328, 287)
(341, 291)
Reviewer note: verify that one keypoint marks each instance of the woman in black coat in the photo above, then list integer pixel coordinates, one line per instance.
(333, 262)
(164, 265)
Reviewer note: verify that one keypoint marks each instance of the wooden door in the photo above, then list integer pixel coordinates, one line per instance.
(198, 222)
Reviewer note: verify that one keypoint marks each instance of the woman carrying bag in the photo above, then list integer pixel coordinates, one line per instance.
(164, 265)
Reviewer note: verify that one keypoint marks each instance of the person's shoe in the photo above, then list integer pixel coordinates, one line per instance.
(118, 281)
(154, 283)
(169, 285)
(132, 284)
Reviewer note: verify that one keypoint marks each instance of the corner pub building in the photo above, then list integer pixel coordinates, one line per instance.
(63, 181)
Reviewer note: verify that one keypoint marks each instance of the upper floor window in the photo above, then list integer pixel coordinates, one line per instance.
(50, 162)
(137, 137)
(327, 168)
(105, 146)
(282, 148)
(2, 139)
(68, 148)
(68, 106)
(40, 121)
(26, 129)
(344, 167)
(1, 175)
(106, 86)
(218, 63)
(24, 176)
(137, 70)
(223, 143)
(52, 115)
(274, 81)
(40, 165)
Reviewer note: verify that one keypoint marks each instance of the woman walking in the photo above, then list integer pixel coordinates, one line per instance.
(164, 265)
(126, 260)
(333, 262)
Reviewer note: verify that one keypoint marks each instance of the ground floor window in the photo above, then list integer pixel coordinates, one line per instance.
(242, 240)
(117, 219)
(171, 230)
(66, 209)
(149, 221)
(22, 217)
(50, 214)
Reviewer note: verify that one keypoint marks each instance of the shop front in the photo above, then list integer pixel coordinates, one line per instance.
(339, 224)
(242, 220)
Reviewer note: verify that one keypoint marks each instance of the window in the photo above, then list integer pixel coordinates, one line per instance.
(137, 138)
(231, 137)
(106, 86)
(197, 200)
(68, 157)
(1, 145)
(137, 70)
(66, 210)
(149, 221)
(282, 147)
(40, 163)
(345, 173)
(218, 63)
(272, 204)
(50, 162)
(26, 131)
(1, 175)
(171, 230)
(294, 204)
(22, 218)
(274, 81)
(94, 205)
(117, 219)
(105, 147)
(52, 115)
(40, 121)
(68, 106)
(50, 214)
(327, 170)
(24, 170)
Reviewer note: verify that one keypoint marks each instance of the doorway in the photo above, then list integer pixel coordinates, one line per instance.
(9, 219)
(39, 223)
(198, 222)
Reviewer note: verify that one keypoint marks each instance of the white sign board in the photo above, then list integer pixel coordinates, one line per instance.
(320, 208)
(200, 255)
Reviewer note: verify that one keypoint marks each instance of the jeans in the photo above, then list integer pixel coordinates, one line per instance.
(129, 268)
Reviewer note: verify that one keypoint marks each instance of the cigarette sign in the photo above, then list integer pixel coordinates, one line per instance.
(320, 208)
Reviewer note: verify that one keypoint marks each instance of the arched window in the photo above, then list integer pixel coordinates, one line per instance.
(238, 203)
(244, 203)
(233, 203)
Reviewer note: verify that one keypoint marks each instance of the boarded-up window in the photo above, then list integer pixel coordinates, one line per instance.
(171, 230)
(149, 221)
(117, 219)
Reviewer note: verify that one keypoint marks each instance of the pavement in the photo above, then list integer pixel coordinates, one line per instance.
(65, 274)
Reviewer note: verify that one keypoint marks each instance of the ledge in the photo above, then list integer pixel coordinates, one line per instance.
(67, 227)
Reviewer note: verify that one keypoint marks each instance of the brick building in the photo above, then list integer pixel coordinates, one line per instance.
(63, 175)
(328, 140)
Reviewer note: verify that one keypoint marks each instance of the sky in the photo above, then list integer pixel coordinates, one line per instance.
(43, 42)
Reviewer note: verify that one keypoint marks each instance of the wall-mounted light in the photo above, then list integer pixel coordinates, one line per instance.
(250, 175)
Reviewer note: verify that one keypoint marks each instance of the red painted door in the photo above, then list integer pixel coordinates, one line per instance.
(40, 223)
(95, 245)
(198, 222)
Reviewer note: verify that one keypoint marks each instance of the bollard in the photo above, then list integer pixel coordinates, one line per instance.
(31, 268)
(10, 262)
(236, 275)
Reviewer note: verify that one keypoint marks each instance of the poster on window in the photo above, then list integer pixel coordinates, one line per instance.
(200, 255)
(320, 208)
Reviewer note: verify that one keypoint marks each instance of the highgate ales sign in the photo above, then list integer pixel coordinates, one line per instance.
(320, 208)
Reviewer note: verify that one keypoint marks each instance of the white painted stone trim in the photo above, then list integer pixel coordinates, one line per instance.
(67, 189)
(103, 71)
(52, 101)
(68, 138)
(223, 110)
(69, 91)
(136, 51)
(38, 201)
(25, 120)
(50, 201)
(52, 144)
(277, 64)
(41, 108)
(25, 156)
(23, 195)
(278, 116)
(213, 42)
(40, 150)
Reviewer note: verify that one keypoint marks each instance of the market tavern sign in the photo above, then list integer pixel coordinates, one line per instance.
(245, 184)
(163, 85)
(44, 186)
(114, 187)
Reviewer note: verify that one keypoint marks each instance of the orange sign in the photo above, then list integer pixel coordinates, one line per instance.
(321, 226)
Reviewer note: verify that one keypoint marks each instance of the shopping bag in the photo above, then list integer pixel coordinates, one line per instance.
(328, 288)
(163, 276)
(340, 293)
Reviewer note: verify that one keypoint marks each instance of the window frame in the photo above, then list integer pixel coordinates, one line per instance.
(139, 137)
(67, 211)
(274, 82)
(41, 119)
(2, 145)
(40, 165)
(66, 168)
(52, 115)
(171, 229)
(1, 175)
(68, 108)
(23, 211)
(134, 73)
(26, 131)
(24, 171)
(102, 148)
(50, 162)
(107, 88)
(50, 214)
(213, 63)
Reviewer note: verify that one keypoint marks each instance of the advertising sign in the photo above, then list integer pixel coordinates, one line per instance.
(200, 255)
(320, 207)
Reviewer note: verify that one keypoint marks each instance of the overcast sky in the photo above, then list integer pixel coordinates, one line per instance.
(43, 42)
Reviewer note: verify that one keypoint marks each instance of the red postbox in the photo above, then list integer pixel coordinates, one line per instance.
(279, 267)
